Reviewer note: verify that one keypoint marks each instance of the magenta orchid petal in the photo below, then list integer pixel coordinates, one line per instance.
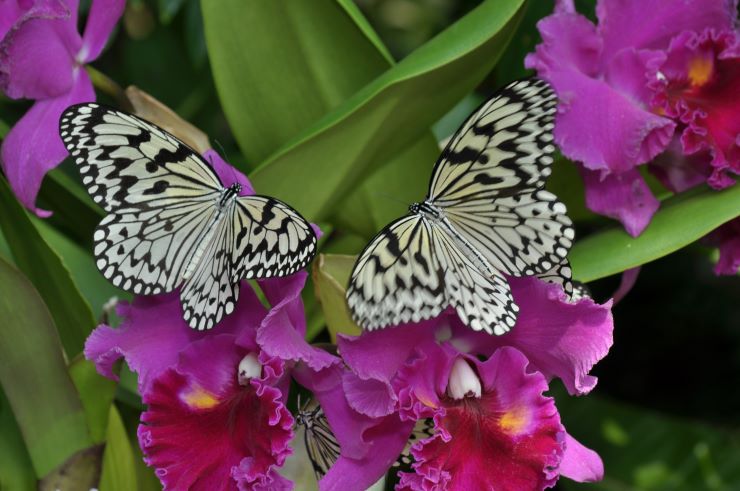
(227, 173)
(619, 134)
(35, 61)
(283, 329)
(624, 196)
(679, 172)
(602, 128)
(579, 463)
(380, 354)
(387, 438)
(371, 397)
(727, 238)
(206, 432)
(100, 22)
(559, 338)
(33, 146)
(624, 24)
(10, 13)
(697, 86)
(508, 439)
(628, 280)
(153, 333)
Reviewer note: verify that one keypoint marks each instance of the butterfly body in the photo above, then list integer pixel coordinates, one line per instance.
(171, 223)
(486, 217)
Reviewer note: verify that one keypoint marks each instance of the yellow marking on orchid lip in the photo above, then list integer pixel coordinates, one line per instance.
(700, 70)
(426, 401)
(199, 398)
(514, 421)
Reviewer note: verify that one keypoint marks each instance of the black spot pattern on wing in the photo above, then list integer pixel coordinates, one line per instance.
(171, 223)
(397, 278)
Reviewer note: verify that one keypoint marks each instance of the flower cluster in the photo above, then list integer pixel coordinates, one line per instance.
(42, 58)
(658, 89)
(217, 415)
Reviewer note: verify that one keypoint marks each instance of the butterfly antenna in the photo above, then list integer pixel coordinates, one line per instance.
(223, 153)
(392, 198)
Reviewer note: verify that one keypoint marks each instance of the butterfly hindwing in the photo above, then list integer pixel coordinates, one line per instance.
(397, 278)
(505, 146)
(321, 445)
(481, 296)
(271, 238)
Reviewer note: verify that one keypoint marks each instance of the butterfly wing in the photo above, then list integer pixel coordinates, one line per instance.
(504, 147)
(127, 162)
(270, 239)
(161, 195)
(254, 237)
(397, 278)
(321, 445)
(523, 234)
(481, 297)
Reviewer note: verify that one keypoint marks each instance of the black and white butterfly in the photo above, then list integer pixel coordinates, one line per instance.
(171, 223)
(486, 215)
(323, 448)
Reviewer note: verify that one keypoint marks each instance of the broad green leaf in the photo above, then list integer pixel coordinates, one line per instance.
(281, 65)
(34, 376)
(386, 116)
(387, 194)
(119, 461)
(681, 220)
(96, 393)
(646, 450)
(330, 276)
(43, 266)
(16, 469)
(81, 264)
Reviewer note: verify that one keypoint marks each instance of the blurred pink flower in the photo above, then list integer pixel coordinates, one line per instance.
(42, 57)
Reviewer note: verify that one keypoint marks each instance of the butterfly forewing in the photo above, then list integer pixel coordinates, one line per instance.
(127, 162)
(397, 278)
(503, 147)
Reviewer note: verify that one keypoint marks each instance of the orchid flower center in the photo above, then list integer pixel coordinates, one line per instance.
(249, 368)
(464, 382)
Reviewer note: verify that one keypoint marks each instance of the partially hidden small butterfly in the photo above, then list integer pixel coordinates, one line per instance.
(323, 448)
(486, 215)
(171, 223)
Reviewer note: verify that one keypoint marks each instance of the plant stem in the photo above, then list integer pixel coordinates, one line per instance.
(107, 85)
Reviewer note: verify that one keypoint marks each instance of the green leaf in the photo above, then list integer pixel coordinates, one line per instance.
(387, 194)
(96, 394)
(43, 266)
(34, 375)
(681, 220)
(168, 9)
(281, 65)
(119, 461)
(330, 275)
(647, 450)
(389, 114)
(81, 264)
(16, 469)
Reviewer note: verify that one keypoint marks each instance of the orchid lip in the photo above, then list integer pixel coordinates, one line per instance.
(249, 368)
(464, 382)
